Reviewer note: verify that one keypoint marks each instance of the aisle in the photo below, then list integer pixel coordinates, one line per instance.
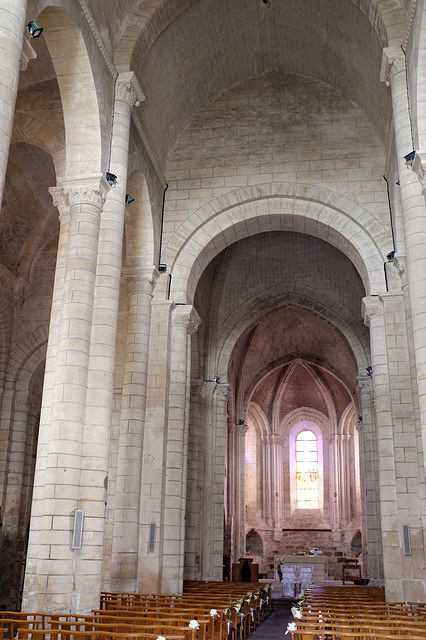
(276, 623)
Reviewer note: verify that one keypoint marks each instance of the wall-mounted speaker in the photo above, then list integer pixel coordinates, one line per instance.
(151, 540)
(77, 533)
(407, 541)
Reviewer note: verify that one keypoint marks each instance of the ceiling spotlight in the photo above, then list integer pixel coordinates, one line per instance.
(391, 255)
(129, 199)
(409, 158)
(369, 371)
(162, 268)
(111, 178)
(216, 379)
(34, 29)
(241, 421)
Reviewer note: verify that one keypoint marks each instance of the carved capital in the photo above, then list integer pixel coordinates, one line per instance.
(27, 54)
(400, 263)
(185, 315)
(140, 280)
(60, 201)
(90, 190)
(393, 61)
(272, 439)
(221, 391)
(364, 384)
(127, 89)
(371, 307)
(419, 168)
(241, 429)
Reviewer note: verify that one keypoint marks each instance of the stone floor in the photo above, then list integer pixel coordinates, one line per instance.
(275, 625)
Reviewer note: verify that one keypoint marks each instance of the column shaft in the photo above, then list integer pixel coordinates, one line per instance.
(125, 546)
(12, 22)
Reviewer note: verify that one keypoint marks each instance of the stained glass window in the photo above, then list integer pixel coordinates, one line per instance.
(307, 485)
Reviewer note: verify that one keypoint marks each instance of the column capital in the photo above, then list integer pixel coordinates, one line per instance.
(393, 61)
(60, 201)
(272, 438)
(400, 263)
(140, 279)
(364, 384)
(371, 307)
(88, 189)
(185, 315)
(419, 168)
(242, 429)
(127, 89)
(221, 391)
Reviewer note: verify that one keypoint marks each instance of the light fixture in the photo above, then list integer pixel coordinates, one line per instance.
(241, 421)
(34, 29)
(409, 158)
(111, 178)
(397, 183)
(216, 379)
(391, 255)
(162, 268)
(129, 199)
(369, 371)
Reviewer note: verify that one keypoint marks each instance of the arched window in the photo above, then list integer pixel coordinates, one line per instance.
(307, 482)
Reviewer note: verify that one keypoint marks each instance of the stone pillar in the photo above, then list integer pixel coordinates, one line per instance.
(185, 322)
(414, 217)
(53, 582)
(338, 488)
(125, 545)
(268, 483)
(238, 489)
(12, 24)
(155, 436)
(372, 310)
(100, 380)
(217, 454)
(213, 480)
(277, 485)
(370, 505)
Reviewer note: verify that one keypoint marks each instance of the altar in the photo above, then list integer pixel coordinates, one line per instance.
(319, 564)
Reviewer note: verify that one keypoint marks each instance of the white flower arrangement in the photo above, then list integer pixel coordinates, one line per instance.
(194, 625)
(161, 638)
(292, 626)
(214, 613)
(296, 613)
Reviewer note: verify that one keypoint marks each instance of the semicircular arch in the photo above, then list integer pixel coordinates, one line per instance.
(295, 207)
(79, 98)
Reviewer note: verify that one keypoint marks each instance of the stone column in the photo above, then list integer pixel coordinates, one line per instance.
(213, 480)
(100, 380)
(372, 310)
(217, 454)
(238, 489)
(125, 545)
(12, 24)
(414, 217)
(155, 449)
(372, 544)
(185, 322)
(338, 489)
(277, 482)
(267, 479)
(52, 582)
